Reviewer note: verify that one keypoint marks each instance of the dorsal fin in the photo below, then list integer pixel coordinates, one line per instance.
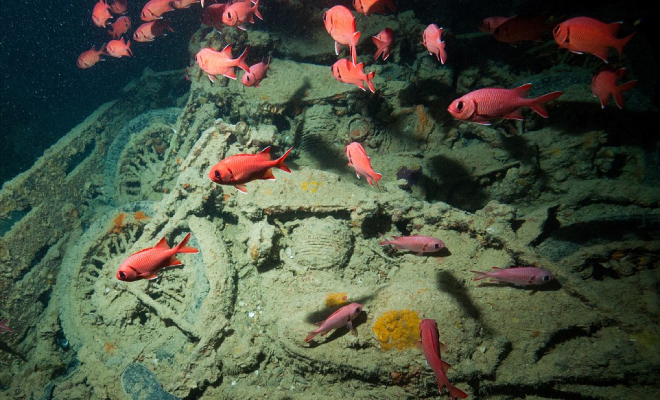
(162, 244)
(265, 153)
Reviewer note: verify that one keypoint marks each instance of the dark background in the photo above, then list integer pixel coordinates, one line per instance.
(43, 94)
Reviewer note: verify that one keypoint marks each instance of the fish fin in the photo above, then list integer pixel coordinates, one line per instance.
(517, 114)
(604, 98)
(455, 392)
(445, 367)
(230, 74)
(265, 153)
(211, 78)
(336, 48)
(226, 51)
(618, 95)
(174, 262)
(523, 89)
(310, 336)
(162, 244)
(538, 103)
(370, 76)
(619, 43)
(419, 345)
(443, 349)
(354, 42)
(361, 86)
(183, 246)
(480, 275)
(279, 163)
(268, 175)
(151, 277)
(256, 12)
(241, 188)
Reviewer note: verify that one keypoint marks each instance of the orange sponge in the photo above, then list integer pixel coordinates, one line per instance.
(398, 329)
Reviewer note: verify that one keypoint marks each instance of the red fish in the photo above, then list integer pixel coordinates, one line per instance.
(341, 317)
(101, 14)
(119, 48)
(256, 74)
(119, 6)
(243, 168)
(212, 15)
(346, 72)
(181, 4)
(358, 159)
(4, 328)
(587, 35)
(484, 105)
(384, 42)
(604, 84)
(90, 57)
(340, 24)
(521, 276)
(146, 263)
(119, 27)
(518, 29)
(419, 244)
(151, 30)
(154, 9)
(368, 7)
(239, 13)
(489, 24)
(220, 62)
(431, 39)
(430, 343)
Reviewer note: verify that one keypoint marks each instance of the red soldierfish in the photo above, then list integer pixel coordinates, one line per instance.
(489, 24)
(518, 29)
(587, 35)
(154, 9)
(4, 327)
(522, 276)
(430, 343)
(212, 15)
(119, 27)
(358, 159)
(368, 7)
(243, 168)
(340, 24)
(344, 71)
(239, 13)
(146, 263)
(90, 57)
(384, 42)
(220, 62)
(433, 43)
(341, 317)
(484, 105)
(101, 14)
(180, 4)
(256, 74)
(119, 48)
(119, 6)
(151, 30)
(603, 84)
(419, 244)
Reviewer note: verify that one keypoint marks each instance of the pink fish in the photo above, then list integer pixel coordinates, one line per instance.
(521, 276)
(587, 35)
(220, 62)
(101, 14)
(340, 24)
(484, 105)
(149, 31)
(119, 27)
(341, 317)
(239, 13)
(154, 9)
(119, 48)
(181, 4)
(489, 24)
(604, 84)
(119, 6)
(146, 263)
(256, 74)
(212, 15)
(4, 327)
(358, 159)
(383, 41)
(430, 343)
(344, 71)
(90, 57)
(431, 39)
(419, 244)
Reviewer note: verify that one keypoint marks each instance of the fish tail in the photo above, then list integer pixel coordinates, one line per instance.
(183, 246)
(619, 43)
(537, 104)
(618, 94)
(240, 61)
(354, 42)
(256, 12)
(310, 336)
(279, 163)
(455, 392)
(370, 76)
(480, 275)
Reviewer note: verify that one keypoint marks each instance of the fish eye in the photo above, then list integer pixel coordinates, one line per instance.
(459, 106)
(228, 15)
(545, 278)
(358, 309)
(122, 275)
(247, 78)
(437, 246)
(217, 174)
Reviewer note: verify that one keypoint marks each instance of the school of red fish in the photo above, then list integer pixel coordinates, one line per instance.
(482, 106)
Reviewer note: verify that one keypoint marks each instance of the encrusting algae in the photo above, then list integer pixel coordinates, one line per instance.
(398, 329)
